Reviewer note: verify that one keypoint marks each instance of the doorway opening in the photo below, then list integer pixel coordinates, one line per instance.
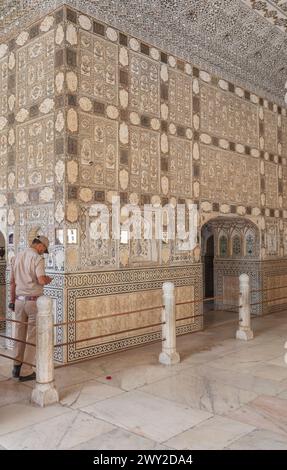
(230, 247)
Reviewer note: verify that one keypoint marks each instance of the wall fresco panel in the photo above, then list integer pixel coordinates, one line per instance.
(228, 177)
(35, 71)
(271, 183)
(98, 68)
(98, 152)
(144, 85)
(224, 115)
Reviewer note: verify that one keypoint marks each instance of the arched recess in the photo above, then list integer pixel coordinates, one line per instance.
(2, 278)
(236, 251)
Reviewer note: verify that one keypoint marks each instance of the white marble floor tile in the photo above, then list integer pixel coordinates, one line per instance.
(283, 394)
(240, 379)
(6, 368)
(21, 415)
(137, 376)
(105, 366)
(66, 376)
(279, 361)
(149, 416)
(269, 413)
(214, 434)
(248, 357)
(260, 440)
(200, 392)
(271, 371)
(61, 432)
(86, 393)
(12, 391)
(119, 439)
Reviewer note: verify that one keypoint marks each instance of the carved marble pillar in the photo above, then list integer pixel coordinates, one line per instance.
(169, 355)
(245, 332)
(44, 392)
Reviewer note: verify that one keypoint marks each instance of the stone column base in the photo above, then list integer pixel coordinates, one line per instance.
(246, 335)
(45, 394)
(169, 358)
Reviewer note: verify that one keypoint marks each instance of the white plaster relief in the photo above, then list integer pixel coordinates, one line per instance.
(124, 98)
(134, 44)
(59, 37)
(22, 115)
(164, 72)
(47, 194)
(85, 22)
(112, 112)
(47, 24)
(154, 53)
(85, 104)
(72, 171)
(71, 35)
(11, 61)
(11, 102)
(164, 111)
(59, 82)
(112, 35)
(46, 106)
(124, 57)
(3, 50)
(22, 38)
(124, 133)
(59, 212)
(59, 171)
(72, 81)
(3, 122)
(135, 118)
(72, 120)
(60, 122)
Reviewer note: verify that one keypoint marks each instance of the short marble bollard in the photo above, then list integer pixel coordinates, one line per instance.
(44, 392)
(169, 355)
(244, 332)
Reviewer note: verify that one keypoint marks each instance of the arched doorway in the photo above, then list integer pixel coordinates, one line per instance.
(230, 247)
(2, 279)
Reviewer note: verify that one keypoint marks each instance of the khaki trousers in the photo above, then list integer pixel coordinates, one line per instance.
(25, 311)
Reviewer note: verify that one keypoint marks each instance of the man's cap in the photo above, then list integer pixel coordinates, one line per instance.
(44, 241)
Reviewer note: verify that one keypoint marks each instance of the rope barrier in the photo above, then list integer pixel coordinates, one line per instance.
(108, 316)
(268, 288)
(18, 340)
(13, 321)
(202, 315)
(108, 334)
(270, 300)
(13, 359)
(148, 309)
(198, 300)
(107, 353)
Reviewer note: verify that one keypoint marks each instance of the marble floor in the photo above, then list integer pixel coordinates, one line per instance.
(224, 394)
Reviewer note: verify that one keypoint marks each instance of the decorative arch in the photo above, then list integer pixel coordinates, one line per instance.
(237, 245)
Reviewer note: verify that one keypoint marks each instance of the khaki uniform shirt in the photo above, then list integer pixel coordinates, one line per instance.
(27, 266)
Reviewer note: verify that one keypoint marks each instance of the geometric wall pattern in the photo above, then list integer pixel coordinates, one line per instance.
(88, 112)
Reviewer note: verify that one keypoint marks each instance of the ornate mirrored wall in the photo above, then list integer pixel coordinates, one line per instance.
(89, 112)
